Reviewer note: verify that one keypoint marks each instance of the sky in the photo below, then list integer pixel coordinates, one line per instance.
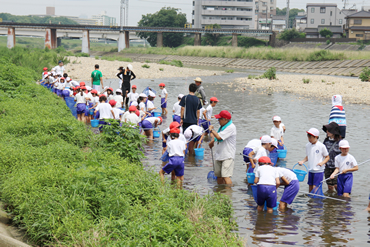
(137, 8)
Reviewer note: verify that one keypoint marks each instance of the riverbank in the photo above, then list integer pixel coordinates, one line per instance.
(353, 90)
(80, 68)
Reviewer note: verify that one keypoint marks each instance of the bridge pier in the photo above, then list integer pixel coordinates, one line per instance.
(11, 37)
(198, 39)
(159, 39)
(127, 39)
(234, 40)
(85, 42)
(272, 39)
(121, 41)
(50, 38)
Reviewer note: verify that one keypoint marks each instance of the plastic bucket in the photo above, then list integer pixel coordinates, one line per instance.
(301, 175)
(250, 176)
(282, 153)
(156, 133)
(274, 157)
(157, 114)
(199, 151)
(94, 123)
(91, 111)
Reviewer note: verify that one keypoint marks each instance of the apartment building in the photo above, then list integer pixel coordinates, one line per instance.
(234, 14)
(324, 14)
(265, 6)
(358, 25)
(104, 20)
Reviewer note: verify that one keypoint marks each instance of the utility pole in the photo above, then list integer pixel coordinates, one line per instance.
(266, 15)
(287, 15)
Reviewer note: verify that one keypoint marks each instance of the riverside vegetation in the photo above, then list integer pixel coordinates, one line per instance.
(69, 187)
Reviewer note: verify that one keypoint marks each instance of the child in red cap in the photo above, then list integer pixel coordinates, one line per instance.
(117, 111)
(132, 96)
(163, 95)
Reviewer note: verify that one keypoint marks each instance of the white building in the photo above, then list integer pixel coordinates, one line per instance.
(104, 20)
(234, 14)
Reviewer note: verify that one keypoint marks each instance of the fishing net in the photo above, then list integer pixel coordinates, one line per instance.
(317, 191)
(147, 89)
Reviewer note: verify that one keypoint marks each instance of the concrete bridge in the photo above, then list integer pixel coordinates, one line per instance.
(52, 31)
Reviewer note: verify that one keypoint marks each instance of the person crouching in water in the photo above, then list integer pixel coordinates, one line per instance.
(105, 111)
(290, 180)
(149, 123)
(267, 180)
(176, 151)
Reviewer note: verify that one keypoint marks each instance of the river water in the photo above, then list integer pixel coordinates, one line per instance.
(311, 222)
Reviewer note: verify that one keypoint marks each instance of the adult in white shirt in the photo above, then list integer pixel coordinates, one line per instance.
(59, 69)
(289, 179)
(225, 146)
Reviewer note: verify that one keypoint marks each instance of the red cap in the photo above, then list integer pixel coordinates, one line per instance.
(132, 108)
(45, 68)
(110, 89)
(101, 95)
(160, 119)
(137, 112)
(175, 130)
(264, 159)
(45, 73)
(174, 125)
(83, 88)
(112, 102)
(76, 88)
(82, 83)
(213, 99)
(223, 114)
(134, 86)
(63, 78)
(94, 91)
(162, 84)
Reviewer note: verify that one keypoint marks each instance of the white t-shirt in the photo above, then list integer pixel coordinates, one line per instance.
(267, 175)
(181, 138)
(56, 83)
(226, 149)
(59, 70)
(119, 100)
(316, 154)
(201, 113)
(209, 112)
(110, 97)
(261, 152)
(177, 108)
(254, 144)
(196, 129)
(149, 105)
(68, 85)
(61, 85)
(80, 99)
(142, 106)
(163, 93)
(95, 100)
(277, 133)
(51, 79)
(104, 111)
(288, 174)
(176, 148)
(133, 96)
(152, 120)
(345, 162)
(132, 118)
(117, 113)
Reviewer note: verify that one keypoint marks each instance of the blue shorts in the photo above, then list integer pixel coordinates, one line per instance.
(196, 138)
(246, 152)
(146, 125)
(54, 90)
(175, 163)
(101, 123)
(268, 194)
(315, 178)
(176, 118)
(205, 124)
(81, 107)
(345, 182)
(59, 92)
(163, 103)
(65, 93)
(164, 144)
(290, 192)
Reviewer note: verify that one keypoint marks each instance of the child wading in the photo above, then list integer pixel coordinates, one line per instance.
(290, 180)
(176, 151)
(317, 155)
(277, 131)
(345, 164)
(267, 180)
(177, 109)
(206, 115)
(163, 97)
(105, 111)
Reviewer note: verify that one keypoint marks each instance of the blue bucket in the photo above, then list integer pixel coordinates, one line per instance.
(94, 123)
(156, 133)
(173, 118)
(254, 191)
(274, 157)
(301, 175)
(157, 114)
(282, 153)
(165, 157)
(91, 111)
(199, 151)
(250, 176)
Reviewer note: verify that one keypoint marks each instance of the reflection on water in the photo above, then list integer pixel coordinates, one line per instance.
(308, 222)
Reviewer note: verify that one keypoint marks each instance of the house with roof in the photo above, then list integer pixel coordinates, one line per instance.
(358, 25)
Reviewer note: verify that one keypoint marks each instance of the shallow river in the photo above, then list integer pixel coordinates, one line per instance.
(309, 221)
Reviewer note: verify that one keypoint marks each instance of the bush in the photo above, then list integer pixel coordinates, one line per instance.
(324, 55)
(328, 41)
(176, 63)
(145, 66)
(270, 73)
(289, 34)
(249, 42)
(82, 54)
(365, 74)
(306, 81)
(326, 32)
(229, 71)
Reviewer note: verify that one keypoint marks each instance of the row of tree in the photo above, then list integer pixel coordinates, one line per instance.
(36, 19)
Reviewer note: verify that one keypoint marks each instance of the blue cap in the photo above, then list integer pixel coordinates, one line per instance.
(60, 61)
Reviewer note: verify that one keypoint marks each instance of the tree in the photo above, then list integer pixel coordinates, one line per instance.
(166, 17)
(325, 33)
(292, 14)
(37, 19)
(289, 34)
(212, 38)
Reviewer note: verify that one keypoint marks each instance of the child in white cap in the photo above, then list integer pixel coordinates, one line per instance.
(118, 98)
(316, 155)
(262, 151)
(149, 103)
(277, 131)
(345, 164)
(142, 102)
(177, 109)
(194, 135)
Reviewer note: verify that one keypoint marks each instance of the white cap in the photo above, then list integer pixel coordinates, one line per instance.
(88, 88)
(143, 95)
(180, 96)
(134, 103)
(344, 144)
(118, 90)
(313, 132)
(151, 94)
(75, 83)
(276, 118)
(265, 139)
(69, 79)
(130, 67)
(188, 134)
(274, 142)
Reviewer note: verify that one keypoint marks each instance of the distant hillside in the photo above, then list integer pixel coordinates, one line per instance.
(36, 19)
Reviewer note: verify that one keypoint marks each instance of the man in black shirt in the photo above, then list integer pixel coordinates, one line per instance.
(190, 106)
(127, 75)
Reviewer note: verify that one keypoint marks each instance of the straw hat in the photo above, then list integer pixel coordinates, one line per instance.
(198, 79)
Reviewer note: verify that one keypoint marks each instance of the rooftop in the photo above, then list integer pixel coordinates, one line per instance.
(321, 5)
(360, 14)
(334, 29)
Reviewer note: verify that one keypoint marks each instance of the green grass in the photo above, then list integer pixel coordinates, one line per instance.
(176, 63)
